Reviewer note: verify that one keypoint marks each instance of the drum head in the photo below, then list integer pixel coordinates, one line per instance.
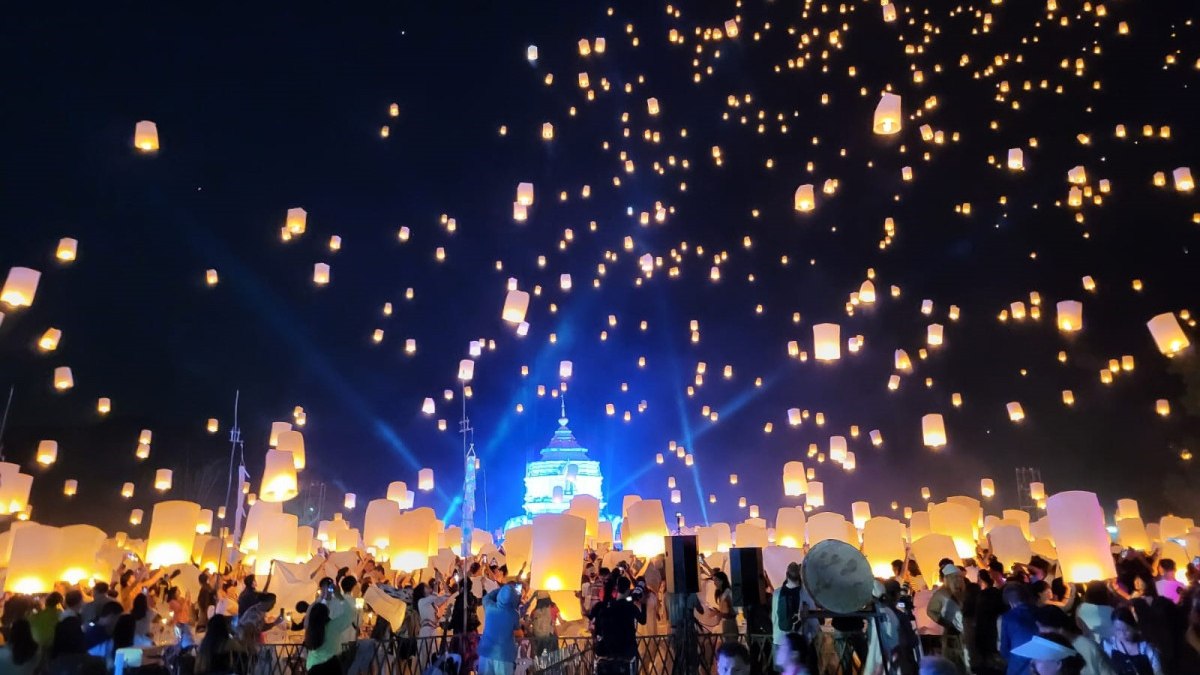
(838, 577)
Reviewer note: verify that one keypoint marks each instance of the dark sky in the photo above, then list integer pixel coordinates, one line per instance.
(259, 110)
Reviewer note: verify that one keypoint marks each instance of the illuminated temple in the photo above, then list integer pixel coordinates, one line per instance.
(562, 472)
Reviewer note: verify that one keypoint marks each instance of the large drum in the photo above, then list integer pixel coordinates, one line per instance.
(838, 577)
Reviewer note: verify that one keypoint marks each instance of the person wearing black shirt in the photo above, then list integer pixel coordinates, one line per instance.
(615, 622)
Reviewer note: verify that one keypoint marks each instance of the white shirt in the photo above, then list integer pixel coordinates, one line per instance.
(1169, 589)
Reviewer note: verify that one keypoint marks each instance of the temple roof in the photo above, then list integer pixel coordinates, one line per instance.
(562, 444)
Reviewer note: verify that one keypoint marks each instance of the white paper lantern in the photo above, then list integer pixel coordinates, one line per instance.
(172, 531)
(1082, 542)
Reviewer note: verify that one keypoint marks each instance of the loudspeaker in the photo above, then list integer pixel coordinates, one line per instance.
(683, 575)
(746, 577)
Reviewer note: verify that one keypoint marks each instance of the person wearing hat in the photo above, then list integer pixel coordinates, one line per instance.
(1050, 654)
(945, 608)
(1051, 619)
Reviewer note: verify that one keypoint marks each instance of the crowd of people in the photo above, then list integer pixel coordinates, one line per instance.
(970, 618)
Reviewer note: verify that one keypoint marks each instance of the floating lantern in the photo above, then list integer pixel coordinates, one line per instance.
(63, 380)
(104, 405)
(321, 274)
(1127, 508)
(162, 480)
(531, 53)
(794, 482)
(1131, 533)
(279, 482)
(789, 527)
(750, 534)
(1070, 316)
(350, 501)
(860, 512)
(297, 220)
(887, 115)
(397, 491)
(172, 531)
(276, 541)
(70, 487)
(425, 480)
(933, 430)
(565, 369)
(889, 15)
(412, 538)
(1163, 407)
(957, 522)
(804, 198)
(1015, 412)
(1183, 179)
(644, 528)
(837, 448)
(145, 136)
(205, 521)
(466, 370)
(557, 552)
(47, 452)
(816, 494)
(1009, 544)
(1082, 542)
(516, 304)
(32, 567)
(883, 542)
(277, 428)
(293, 442)
(987, 487)
(135, 517)
(67, 249)
(1016, 159)
(827, 339)
(824, 526)
(1167, 334)
(933, 335)
(212, 426)
(1037, 491)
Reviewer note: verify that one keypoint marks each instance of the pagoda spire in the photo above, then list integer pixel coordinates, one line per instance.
(562, 418)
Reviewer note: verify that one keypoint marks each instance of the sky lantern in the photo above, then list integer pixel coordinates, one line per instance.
(296, 221)
(531, 53)
(466, 370)
(1168, 334)
(652, 106)
(172, 531)
(1009, 544)
(816, 494)
(804, 198)
(889, 15)
(277, 428)
(987, 487)
(1127, 508)
(750, 534)
(887, 115)
(933, 430)
(377, 522)
(829, 525)
(103, 405)
(883, 542)
(565, 369)
(425, 480)
(789, 527)
(644, 528)
(162, 480)
(145, 136)
(276, 541)
(292, 442)
(1037, 491)
(350, 501)
(902, 362)
(1015, 412)
(860, 512)
(525, 194)
(127, 490)
(70, 487)
(321, 274)
(837, 449)
(279, 482)
(933, 334)
(397, 491)
(63, 379)
(1183, 179)
(76, 555)
(827, 341)
(556, 563)
(930, 548)
(1131, 533)
(67, 249)
(1016, 159)
(32, 566)
(427, 406)
(547, 131)
(1070, 315)
(204, 524)
(47, 452)
(957, 522)
(1080, 537)
(794, 482)
(412, 538)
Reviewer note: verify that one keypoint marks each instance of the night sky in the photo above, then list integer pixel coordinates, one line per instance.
(260, 110)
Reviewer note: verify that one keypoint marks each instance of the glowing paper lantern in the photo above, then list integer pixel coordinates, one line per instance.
(466, 370)
(1183, 179)
(397, 491)
(297, 220)
(933, 430)
(292, 442)
(883, 542)
(804, 199)
(1016, 159)
(425, 480)
(276, 541)
(135, 517)
(516, 304)
(277, 428)
(1015, 412)
(816, 494)
(350, 501)
(1167, 333)
(889, 12)
(957, 522)
(1070, 316)
(279, 482)
(162, 480)
(789, 527)
(1037, 491)
(837, 448)
(32, 567)
(1127, 508)
(794, 481)
(987, 487)
(145, 136)
(557, 552)
(1131, 533)
(860, 512)
(933, 335)
(824, 526)
(377, 524)
(67, 249)
(565, 368)
(76, 555)
(172, 529)
(1082, 542)
(204, 524)
(63, 380)
(1009, 544)
(931, 548)
(644, 528)
(518, 546)
(750, 534)
(827, 338)
(321, 273)
(103, 405)
(47, 452)
(587, 507)
(887, 115)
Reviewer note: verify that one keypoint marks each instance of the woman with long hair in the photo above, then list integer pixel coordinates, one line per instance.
(214, 655)
(19, 655)
(723, 599)
(322, 643)
(1129, 652)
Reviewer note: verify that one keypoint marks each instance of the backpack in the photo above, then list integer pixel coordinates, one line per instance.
(543, 622)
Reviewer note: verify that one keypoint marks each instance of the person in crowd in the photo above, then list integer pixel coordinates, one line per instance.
(132, 583)
(1017, 626)
(1156, 616)
(1188, 660)
(1167, 585)
(97, 636)
(44, 622)
(227, 601)
(68, 638)
(615, 622)
(945, 608)
(1094, 614)
(543, 623)
(989, 605)
(883, 635)
(249, 595)
(1051, 619)
(300, 612)
(733, 659)
(19, 655)
(789, 657)
(1130, 653)
(343, 603)
(253, 623)
(214, 656)
(497, 649)
(124, 632)
(181, 613)
(206, 597)
(144, 619)
(72, 605)
(100, 600)
(321, 641)
(789, 605)
(723, 601)
(1049, 655)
